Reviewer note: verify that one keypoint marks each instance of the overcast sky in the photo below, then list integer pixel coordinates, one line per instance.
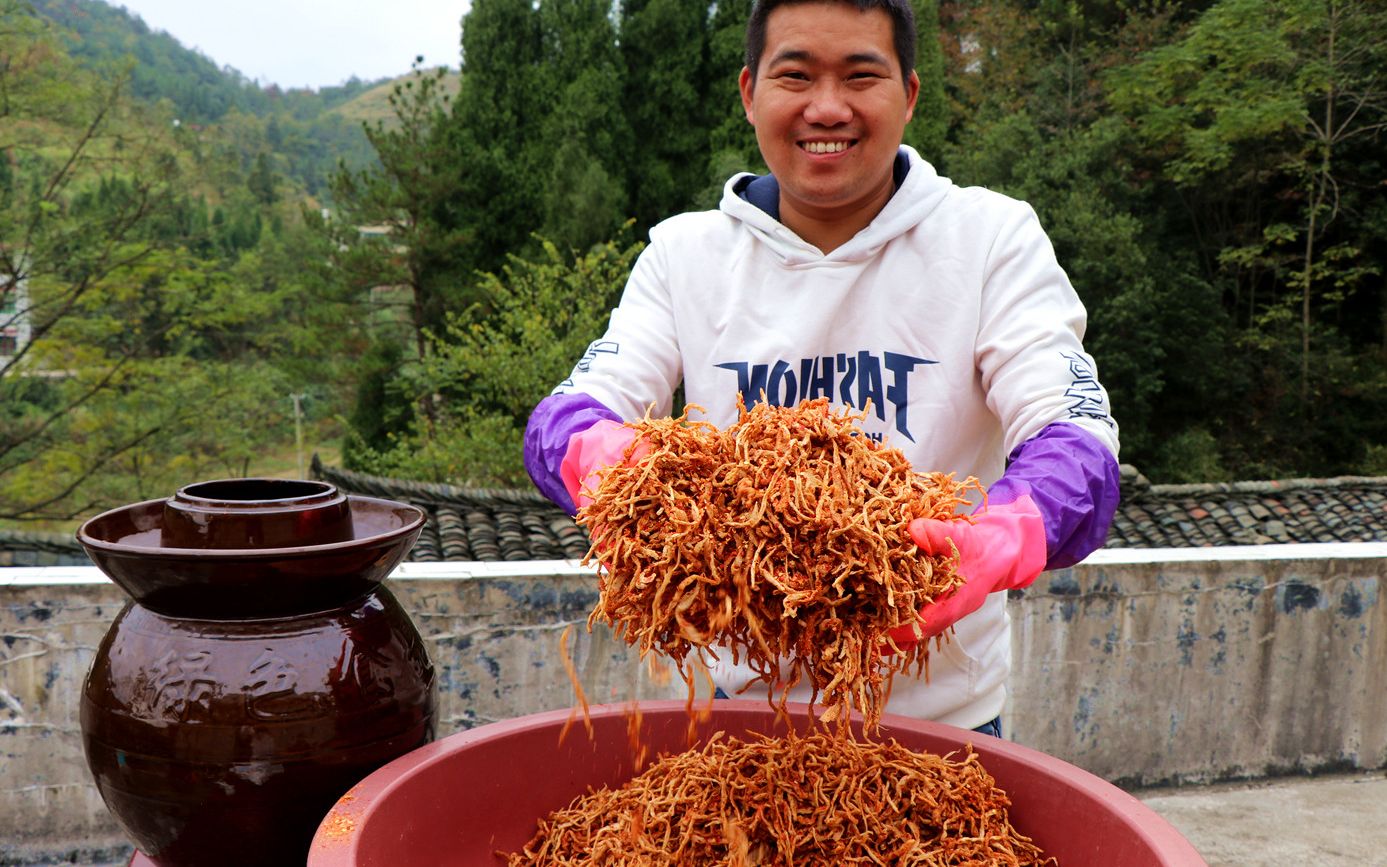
(311, 43)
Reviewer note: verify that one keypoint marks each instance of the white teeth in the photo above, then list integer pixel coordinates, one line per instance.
(825, 147)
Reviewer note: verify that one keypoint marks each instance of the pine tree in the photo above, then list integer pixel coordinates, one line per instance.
(929, 127)
(261, 180)
(585, 138)
(492, 132)
(731, 139)
(665, 45)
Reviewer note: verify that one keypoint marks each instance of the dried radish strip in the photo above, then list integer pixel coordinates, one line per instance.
(810, 799)
(783, 539)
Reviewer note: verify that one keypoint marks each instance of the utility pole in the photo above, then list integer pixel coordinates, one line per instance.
(298, 428)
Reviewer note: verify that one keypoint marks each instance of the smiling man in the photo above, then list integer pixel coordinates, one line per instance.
(853, 271)
(829, 98)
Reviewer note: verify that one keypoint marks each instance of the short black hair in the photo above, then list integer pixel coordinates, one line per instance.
(902, 29)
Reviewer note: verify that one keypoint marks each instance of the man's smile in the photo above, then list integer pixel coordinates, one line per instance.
(819, 146)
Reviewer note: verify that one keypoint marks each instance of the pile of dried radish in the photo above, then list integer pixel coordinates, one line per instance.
(782, 538)
(800, 800)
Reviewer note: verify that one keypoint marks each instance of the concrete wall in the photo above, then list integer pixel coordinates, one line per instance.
(48, 635)
(1191, 665)
(1143, 667)
(493, 631)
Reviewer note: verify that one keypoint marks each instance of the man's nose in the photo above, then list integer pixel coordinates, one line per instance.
(828, 104)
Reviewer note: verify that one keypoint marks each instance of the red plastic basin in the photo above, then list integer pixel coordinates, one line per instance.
(459, 800)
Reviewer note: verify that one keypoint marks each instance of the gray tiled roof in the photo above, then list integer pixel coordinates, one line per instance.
(19, 548)
(484, 524)
(1348, 509)
(474, 523)
(1352, 509)
(1345, 509)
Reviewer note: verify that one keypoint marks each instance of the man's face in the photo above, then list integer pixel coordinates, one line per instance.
(829, 106)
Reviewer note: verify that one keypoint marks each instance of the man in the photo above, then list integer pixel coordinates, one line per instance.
(854, 271)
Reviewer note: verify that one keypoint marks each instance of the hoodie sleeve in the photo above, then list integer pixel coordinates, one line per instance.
(1072, 480)
(1059, 431)
(632, 369)
(555, 420)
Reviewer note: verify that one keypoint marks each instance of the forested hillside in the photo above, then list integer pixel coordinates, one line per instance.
(299, 129)
(165, 284)
(1211, 174)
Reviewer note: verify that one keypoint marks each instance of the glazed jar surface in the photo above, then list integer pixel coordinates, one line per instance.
(260, 669)
(225, 742)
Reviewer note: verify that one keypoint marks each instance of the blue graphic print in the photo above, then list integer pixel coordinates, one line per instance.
(595, 348)
(851, 379)
(1090, 400)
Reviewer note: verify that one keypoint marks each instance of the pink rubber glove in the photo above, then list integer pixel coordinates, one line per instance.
(592, 451)
(1003, 548)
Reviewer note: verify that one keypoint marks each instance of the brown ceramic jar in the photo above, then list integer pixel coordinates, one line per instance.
(250, 682)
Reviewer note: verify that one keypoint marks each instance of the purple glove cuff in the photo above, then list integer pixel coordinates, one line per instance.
(557, 418)
(1073, 480)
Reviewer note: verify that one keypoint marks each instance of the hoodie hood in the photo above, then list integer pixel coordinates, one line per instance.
(917, 195)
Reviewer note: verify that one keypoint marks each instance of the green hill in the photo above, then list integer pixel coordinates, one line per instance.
(301, 134)
(97, 34)
(373, 105)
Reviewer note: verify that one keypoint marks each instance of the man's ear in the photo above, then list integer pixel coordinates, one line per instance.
(912, 93)
(745, 83)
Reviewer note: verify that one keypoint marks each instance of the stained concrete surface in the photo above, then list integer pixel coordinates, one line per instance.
(1233, 640)
(1327, 821)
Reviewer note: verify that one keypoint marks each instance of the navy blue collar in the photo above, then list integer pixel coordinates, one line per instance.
(763, 191)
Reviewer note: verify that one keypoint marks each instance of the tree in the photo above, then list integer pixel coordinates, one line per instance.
(929, 127)
(1030, 121)
(1342, 41)
(1259, 122)
(544, 311)
(664, 44)
(261, 181)
(61, 128)
(396, 224)
(585, 139)
(496, 120)
(163, 339)
(731, 140)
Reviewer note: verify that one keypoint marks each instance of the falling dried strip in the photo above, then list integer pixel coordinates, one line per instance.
(783, 539)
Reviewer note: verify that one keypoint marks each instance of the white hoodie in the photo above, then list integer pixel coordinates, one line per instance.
(948, 312)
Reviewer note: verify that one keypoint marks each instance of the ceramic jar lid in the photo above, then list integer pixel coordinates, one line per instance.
(255, 513)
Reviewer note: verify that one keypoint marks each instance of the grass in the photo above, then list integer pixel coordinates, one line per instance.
(283, 463)
(374, 104)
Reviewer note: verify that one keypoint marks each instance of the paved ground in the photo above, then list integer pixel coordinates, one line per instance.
(1330, 821)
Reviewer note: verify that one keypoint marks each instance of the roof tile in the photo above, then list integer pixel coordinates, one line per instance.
(471, 524)
(1225, 513)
